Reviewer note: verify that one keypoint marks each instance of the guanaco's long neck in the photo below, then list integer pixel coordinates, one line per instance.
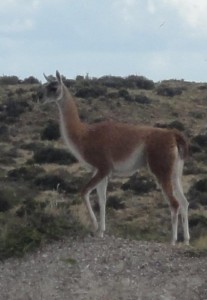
(71, 126)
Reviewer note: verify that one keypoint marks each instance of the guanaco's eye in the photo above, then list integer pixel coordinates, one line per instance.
(53, 87)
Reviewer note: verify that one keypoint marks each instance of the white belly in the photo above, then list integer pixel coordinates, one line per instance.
(135, 161)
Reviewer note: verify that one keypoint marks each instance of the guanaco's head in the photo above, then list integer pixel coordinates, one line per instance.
(52, 90)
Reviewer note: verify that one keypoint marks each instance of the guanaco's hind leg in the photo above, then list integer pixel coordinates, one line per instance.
(167, 189)
(168, 171)
(178, 192)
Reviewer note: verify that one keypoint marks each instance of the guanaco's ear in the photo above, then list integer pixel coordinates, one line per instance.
(47, 78)
(59, 77)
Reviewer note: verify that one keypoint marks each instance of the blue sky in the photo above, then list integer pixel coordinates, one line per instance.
(158, 39)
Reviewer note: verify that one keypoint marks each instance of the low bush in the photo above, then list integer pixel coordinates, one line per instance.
(33, 146)
(174, 124)
(32, 227)
(192, 168)
(124, 94)
(90, 91)
(25, 223)
(13, 194)
(139, 184)
(8, 155)
(198, 227)
(12, 109)
(164, 90)
(115, 202)
(111, 81)
(7, 80)
(200, 139)
(51, 131)
(142, 99)
(140, 82)
(31, 80)
(53, 155)
(113, 95)
(197, 194)
(4, 132)
(56, 182)
(132, 81)
(197, 114)
(25, 173)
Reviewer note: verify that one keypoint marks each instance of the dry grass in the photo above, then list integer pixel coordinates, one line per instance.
(201, 243)
(144, 216)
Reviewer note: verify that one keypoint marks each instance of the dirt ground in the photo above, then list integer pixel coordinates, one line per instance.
(105, 269)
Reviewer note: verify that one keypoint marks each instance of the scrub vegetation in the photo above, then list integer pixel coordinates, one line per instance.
(40, 180)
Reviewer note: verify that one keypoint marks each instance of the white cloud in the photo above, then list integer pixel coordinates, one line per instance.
(192, 12)
(19, 15)
(19, 5)
(17, 25)
(127, 10)
(151, 7)
(7, 44)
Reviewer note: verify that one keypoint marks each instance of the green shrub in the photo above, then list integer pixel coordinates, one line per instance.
(132, 81)
(124, 94)
(198, 193)
(4, 132)
(25, 173)
(142, 99)
(32, 223)
(164, 90)
(198, 226)
(112, 81)
(174, 124)
(90, 91)
(12, 109)
(200, 139)
(31, 80)
(16, 192)
(25, 232)
(51, 131)
(17, 239)
(7, 80)
(53, 155)
(56, 182)
(141, 82)
(139, 184)
(191, 167)
(115, 202)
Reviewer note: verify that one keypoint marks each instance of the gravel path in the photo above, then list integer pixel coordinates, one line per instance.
(105, 269)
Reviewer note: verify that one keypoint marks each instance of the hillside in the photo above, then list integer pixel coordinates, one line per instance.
(39, 199)
(41, 210)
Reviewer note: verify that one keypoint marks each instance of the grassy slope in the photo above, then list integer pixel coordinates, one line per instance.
(31, 214)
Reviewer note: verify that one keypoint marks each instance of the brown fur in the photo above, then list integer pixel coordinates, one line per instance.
(105, 143)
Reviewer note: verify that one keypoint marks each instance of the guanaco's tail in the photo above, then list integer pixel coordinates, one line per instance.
(182, 144)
